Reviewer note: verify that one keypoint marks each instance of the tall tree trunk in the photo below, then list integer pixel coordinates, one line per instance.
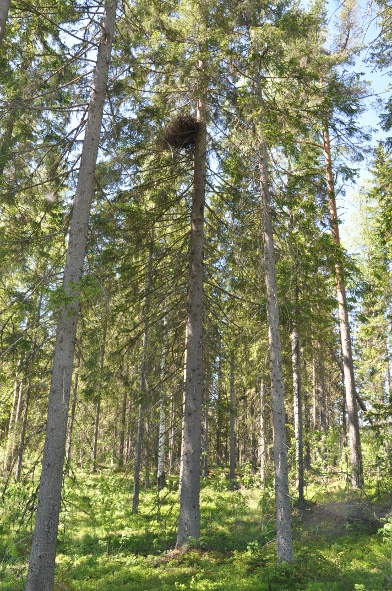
(245, 435)
(143, 379)
(130, 431)
(4, 8)
(232, 419)
(307, 421)
(95, 436)
(189, 520)
(7, 456)
(297, 392)
(35, 324)
(72, 417)
(218, 421)
(205, 451)
(282, 496)
(315, 393)
(172, 432)
(348, 365)
(16, 423)
(23, 433)
(40, 575)
(122, 431)
(102, 346)
(322, 393)
(263, 438)
(161, 477)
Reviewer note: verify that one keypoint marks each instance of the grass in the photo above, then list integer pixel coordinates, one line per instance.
(103, 547)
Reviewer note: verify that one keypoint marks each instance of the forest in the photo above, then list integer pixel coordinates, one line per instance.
(196, 363)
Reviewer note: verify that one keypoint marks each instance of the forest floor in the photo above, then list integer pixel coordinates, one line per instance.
(343, 543)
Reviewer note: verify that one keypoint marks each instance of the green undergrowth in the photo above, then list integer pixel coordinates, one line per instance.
(343, 543)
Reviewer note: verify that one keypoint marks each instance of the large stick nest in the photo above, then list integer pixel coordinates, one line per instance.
(181, 132)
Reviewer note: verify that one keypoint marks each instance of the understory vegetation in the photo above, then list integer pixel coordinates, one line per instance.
(342, 543)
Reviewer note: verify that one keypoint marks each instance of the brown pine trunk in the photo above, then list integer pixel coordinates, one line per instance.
(348, 365)
(40, 575)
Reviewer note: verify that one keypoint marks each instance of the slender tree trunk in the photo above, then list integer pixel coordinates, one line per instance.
(122, 431)
(205, 451)
(172, 432)
(4, 8)
(40, 575)
(348, 365)
(232, 419)
(72, 417)
(130, 431)
(245, 430)
(95, 436)
(297, 392)
(23, 432)
(16, 423)
(322, 396)
(7, 457)
(189, 520)
(161, 477)
(315, 392)
(218, 422)
(143, 379)
(263, 438)
(282, 496)
(307, 456)
(102, 346)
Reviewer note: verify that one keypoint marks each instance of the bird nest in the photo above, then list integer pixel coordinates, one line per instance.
(181, 132)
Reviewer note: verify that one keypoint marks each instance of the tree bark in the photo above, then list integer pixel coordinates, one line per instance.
(205, 451)
(7, 457)
(40, 575)
(263, 439)
(298, 430)
(95, 436)
(348, 365)
(172, 432)
(72, 417)
(122, 431)
(143, 380)
(189, 520)
(218, 421)
(15, 429)
(314, 390)
(23, 433)
(232, 419)
(283, 517)
(4, 8)
(161, 477)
